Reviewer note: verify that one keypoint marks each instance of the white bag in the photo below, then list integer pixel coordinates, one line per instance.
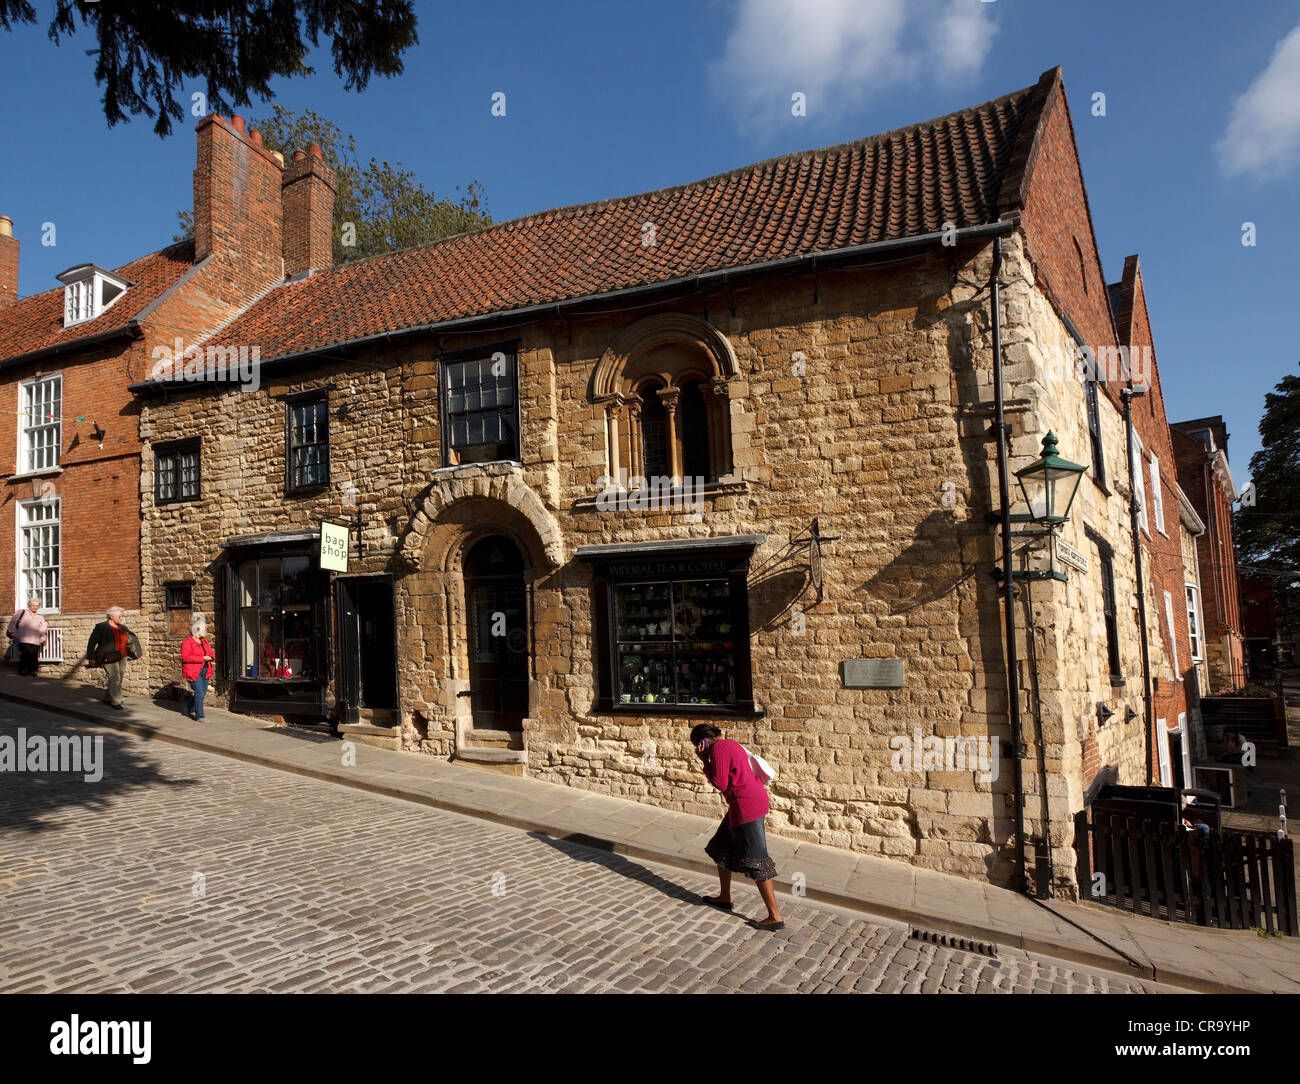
(763, 771)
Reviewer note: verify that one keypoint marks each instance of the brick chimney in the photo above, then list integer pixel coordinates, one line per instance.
(308, 188)
(238, 218)
(8, 262)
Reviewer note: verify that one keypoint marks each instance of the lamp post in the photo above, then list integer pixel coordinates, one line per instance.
(1048, 486)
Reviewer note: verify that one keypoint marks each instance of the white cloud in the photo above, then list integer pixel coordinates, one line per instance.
(1263, 133)
(839, 53)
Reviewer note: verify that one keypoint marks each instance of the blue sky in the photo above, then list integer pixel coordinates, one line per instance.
(607, 99)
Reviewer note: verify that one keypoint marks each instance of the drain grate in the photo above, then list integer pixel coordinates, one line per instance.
(947, 940)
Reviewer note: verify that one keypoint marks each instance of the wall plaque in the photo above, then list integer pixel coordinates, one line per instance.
(872, 673)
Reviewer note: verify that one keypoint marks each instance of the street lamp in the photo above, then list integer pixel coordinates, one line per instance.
(1049, 484)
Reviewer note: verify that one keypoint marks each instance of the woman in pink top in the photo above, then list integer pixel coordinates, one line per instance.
(740, 844)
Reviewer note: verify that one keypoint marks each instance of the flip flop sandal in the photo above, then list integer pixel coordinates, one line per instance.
(713, 901)
(773, 926)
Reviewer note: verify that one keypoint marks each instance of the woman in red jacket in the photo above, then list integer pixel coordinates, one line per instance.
(196, 668)
(740, 844)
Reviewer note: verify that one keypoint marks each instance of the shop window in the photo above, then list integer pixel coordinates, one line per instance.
(179, 600)
(673, 633)
(480, 407)
(307, 443)
(279, 608)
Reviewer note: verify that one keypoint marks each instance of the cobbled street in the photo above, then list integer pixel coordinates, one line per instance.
(185, 872)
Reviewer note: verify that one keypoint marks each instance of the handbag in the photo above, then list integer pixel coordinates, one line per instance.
(763, 771)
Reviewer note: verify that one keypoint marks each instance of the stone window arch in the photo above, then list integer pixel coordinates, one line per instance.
(664, 385)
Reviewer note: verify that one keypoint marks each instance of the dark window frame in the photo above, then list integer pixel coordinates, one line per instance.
(729, 566)
(445, 360)
(173, 450)
(1110, 610)
(172, 585)
(291, 403)
(1094, 433)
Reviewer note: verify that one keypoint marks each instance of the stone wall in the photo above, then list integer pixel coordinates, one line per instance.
(862, 398)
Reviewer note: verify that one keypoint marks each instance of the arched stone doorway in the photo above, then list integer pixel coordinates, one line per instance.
(496, 614)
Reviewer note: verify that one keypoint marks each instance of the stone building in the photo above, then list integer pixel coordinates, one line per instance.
(1201, 451)
(722, 452)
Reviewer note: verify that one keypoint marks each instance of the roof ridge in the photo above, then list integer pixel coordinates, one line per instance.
(573, 209)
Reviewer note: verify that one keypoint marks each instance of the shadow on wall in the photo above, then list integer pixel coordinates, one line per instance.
(909, 582)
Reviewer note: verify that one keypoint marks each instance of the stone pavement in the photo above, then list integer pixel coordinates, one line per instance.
(183, 872)
(1087, 934)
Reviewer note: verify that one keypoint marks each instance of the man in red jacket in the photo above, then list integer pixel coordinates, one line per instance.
(740, 843)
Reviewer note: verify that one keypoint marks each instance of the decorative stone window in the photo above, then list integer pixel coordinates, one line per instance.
(663, 386)
(88, 291)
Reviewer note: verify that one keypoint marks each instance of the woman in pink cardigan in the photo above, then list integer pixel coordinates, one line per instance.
(740, 844)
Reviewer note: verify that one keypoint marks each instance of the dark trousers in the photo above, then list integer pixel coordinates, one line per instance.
(28, 659)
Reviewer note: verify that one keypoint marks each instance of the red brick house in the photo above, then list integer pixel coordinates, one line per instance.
(1201, 452)
(1174, 689)
(68, 353)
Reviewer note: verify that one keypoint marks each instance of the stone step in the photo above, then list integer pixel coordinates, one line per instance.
(381, 737)
(495, 739)
(378, 716)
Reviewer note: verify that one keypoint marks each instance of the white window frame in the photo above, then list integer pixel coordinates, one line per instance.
(1157, 498)
(1194, 619)
(25, 428)
(1162, 749)
(1189, 773)
(1138, 484)
(1173, 634)
(83, 296)
(22, 591)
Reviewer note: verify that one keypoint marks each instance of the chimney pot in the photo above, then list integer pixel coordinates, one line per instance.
(241, 126)
(315, 151)
(6, 226)
(255, 138)
(299, 156)
(278, 157)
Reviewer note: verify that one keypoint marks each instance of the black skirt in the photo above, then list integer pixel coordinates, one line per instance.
(742, 849)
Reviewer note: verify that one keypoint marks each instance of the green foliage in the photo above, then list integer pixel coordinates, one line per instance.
(1268, 534)
(146, 51)
(385, 204)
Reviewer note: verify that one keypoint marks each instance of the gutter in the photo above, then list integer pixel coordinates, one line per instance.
(1008, 584)
(1129, 394)
(694, 282)
(128, 332)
